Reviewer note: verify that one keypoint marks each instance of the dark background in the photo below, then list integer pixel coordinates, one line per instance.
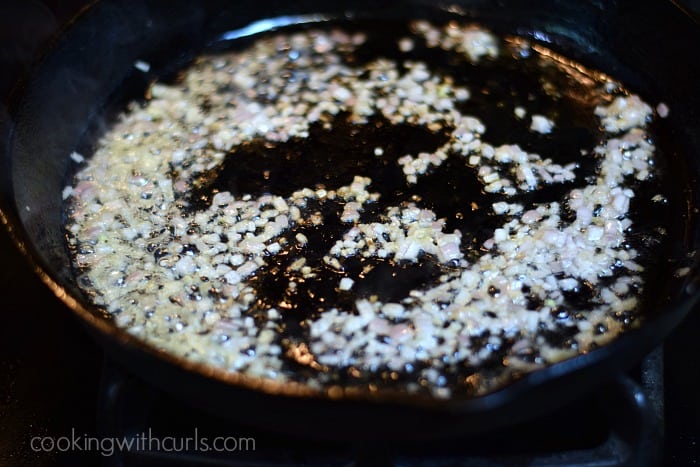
(50, 369)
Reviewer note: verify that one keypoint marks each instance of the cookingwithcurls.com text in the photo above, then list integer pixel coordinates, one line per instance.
(144, 441)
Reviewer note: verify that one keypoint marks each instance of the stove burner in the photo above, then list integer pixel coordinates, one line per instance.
(620, 424)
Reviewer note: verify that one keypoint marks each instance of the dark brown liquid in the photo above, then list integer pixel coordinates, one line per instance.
(330, 158)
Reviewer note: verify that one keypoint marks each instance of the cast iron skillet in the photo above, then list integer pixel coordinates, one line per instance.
(650, 46)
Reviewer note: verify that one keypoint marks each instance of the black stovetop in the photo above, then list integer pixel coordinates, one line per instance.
(53, 377)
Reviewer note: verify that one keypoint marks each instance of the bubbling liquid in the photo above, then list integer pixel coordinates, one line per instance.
(414, 206)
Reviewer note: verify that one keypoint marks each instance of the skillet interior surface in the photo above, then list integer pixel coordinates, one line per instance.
(91, 68)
